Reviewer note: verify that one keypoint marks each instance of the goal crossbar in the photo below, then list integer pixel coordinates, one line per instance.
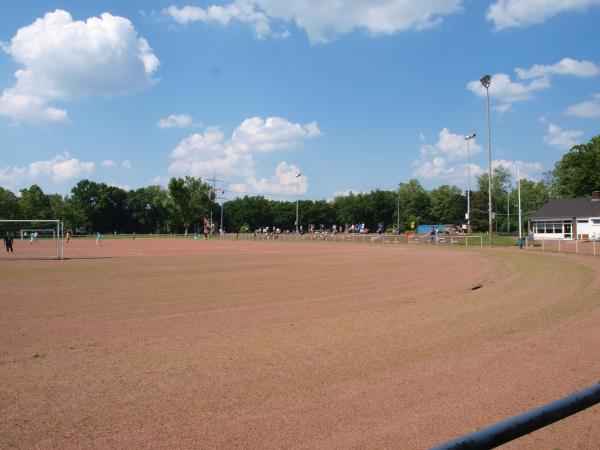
(52, 246)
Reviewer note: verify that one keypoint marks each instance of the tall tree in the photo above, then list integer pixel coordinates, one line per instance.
(34, 204)
(415, 204)
(9, 205)
(193, 200)
(577, 173)
(448, 205)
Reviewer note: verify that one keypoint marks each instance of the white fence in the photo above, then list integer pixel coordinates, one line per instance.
(576, 246)
(366, 238)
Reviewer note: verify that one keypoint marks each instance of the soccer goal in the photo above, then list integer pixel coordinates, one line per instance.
(32, 239)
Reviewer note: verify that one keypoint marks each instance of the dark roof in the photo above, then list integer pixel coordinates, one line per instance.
(568, 207)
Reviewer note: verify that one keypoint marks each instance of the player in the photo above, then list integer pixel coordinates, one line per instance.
(31, 238)
(8, 241)
(67, 236)
(98, 238)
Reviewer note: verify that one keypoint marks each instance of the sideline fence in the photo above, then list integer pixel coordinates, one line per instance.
(576, 246)
(518, 426)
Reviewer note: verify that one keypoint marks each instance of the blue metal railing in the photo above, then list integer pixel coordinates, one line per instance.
(517, 426)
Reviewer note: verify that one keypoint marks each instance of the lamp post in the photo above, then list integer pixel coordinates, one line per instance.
(519, 188)
(485, 82)
(298, 175)
(468, 139)
(398, 215)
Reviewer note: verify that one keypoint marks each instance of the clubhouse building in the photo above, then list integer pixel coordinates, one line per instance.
(567, 218)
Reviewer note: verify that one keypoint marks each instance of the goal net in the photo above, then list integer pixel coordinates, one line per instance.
(32, 239)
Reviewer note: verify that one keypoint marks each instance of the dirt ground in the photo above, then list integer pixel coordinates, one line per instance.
(224, 344)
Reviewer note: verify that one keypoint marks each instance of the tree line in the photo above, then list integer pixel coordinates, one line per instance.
(185, 202)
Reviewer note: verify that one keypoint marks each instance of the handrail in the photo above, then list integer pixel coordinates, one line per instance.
(520, 425)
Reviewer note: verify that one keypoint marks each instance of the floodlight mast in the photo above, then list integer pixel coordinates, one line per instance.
(486, 81)
(298, 175)
(468, 139)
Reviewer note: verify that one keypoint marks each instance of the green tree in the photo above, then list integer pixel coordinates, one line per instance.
(448, 205)
(577, 173)
(34, 204)
(252, 212)
(193, 200)
(415, 204)
(9, 205)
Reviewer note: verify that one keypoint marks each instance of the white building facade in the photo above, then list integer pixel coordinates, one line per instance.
(567, 218)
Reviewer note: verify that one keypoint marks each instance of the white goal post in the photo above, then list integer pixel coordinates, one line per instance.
(46, 245)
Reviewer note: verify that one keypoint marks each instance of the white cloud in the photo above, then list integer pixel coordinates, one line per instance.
(347, 192)
(175, 121)
(108, 163)
(507, 91)
(323, 20)
(562, 139)
(283, 182)
(60, 168)
(126, 164)
(587, 109)
(447, 159)
(527, 170)
(565, 66)
(241, 10)
(125, 187)
(202, 154)
(519, 13)
(66, 60)
(273, 133)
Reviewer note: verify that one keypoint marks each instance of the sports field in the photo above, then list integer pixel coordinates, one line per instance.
(241, 344)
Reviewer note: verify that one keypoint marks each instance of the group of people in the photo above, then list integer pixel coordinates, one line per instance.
(269, 232)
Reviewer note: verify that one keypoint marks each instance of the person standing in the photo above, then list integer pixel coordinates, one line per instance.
(98, 238)
(8, 241)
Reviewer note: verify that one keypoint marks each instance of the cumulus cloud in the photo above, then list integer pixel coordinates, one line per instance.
(64, 60)
(284, 181)
(507, 91)
(447, 158)
(565, 66)
(587, 109)
(527, 170)
(241, 11)
(323, 20)
(536, 78)
(202, 153)
(60, 168)
(561, 138)
(108, 163)
(175, 121)
(520, 13)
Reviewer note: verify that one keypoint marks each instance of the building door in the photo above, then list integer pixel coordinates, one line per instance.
(568, 233)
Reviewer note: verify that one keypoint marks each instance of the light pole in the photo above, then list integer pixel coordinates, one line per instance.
(519, 188)
(468, 139)
(398, 215)
(486, 81)
(298, 175)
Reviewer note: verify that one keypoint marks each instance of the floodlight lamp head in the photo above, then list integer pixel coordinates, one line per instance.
(486, 81)
(298, 174)
(470, 136)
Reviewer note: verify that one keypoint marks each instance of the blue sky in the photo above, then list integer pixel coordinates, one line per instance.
(354, 95)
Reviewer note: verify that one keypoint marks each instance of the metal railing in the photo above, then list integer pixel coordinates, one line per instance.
(518, 426)
(577, 246)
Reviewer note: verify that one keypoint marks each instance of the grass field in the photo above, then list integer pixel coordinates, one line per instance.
(224, 344)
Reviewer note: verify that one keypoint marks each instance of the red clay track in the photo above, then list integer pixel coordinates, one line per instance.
(221, 344)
